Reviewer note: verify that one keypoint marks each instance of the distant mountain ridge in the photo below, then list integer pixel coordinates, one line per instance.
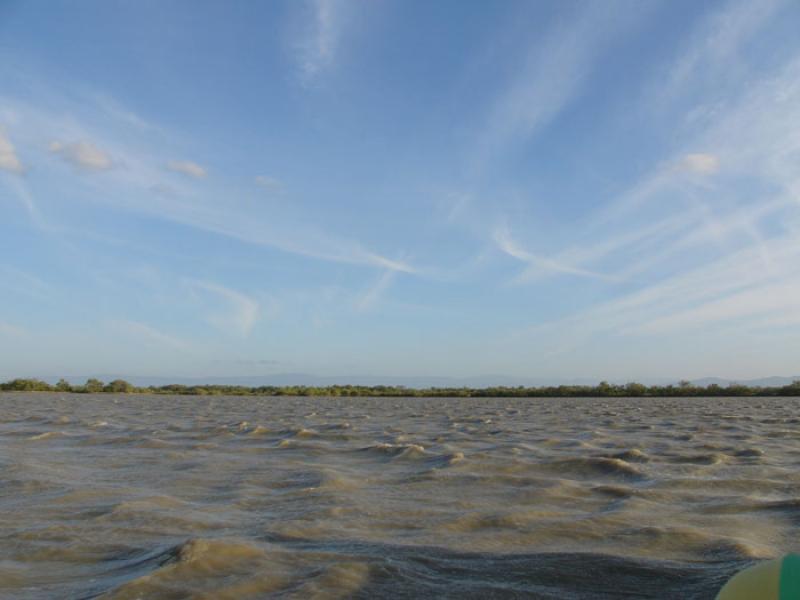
(482, 381)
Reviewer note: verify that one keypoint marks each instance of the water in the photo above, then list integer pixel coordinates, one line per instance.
(125, 497)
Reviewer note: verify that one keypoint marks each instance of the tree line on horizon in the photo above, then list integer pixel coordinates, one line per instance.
(601, 390)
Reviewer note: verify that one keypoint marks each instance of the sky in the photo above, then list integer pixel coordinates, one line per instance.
(557, 190)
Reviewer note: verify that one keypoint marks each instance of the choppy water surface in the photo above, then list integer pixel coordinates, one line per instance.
(129, 497)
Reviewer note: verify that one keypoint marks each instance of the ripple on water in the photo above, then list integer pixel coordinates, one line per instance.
(675, 541)
(631, 455)
(749, 453)
(47, 435)
(225, 569)
(595, 467)
(402, 451)
(161, 513)
(706, 458)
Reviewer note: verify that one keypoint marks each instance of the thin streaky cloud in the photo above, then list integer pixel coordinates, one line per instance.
(382, 261)
(242, 311)
(82, 155)
(746, 221)
(188, 168)
(292, 237)
(759, 102)
(317, 49)
(676, 299)
(132, 188)
(375, 292)
(762, 301)
(268, 183)
(702, 163)
(148, 334)
(22, 191)
(620, 242)
(9, 160)
(668, 175)
(698, 228)
(552, 75)
(715, 44)
(750, 137)
(117, 111)
(504, 241)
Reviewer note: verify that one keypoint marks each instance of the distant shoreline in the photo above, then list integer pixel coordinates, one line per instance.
(602, 390)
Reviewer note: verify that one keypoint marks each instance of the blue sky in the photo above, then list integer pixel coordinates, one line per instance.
(543, 189)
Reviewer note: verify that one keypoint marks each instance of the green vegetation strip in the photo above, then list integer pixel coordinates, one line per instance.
(602, 390)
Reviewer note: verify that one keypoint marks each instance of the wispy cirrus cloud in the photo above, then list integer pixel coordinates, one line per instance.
(288, 234)
(9, 160)
(507, 244)
(723, 291)
(372, 295)
(118, 112)
(714, 49)
(188, 168)
(21, 190)
(139, 185)
(239, 311)
(721, 250)
(699, 162)
(552, 74)
(726, 194)
(318, 46)
(82, 155)
(779, 301)
(148, 334)
(271, 184)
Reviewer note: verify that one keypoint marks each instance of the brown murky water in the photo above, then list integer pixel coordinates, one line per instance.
(160, 497)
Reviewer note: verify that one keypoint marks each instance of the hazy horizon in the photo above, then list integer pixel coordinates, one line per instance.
(544, 190)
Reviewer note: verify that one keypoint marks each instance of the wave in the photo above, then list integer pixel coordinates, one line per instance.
(199, 566)
(749, 453)
(327, 480)
(595, 466)
(615, 491)
(709, 458)
(229, 569)
(234, 570)
(47, 435)
(160, 513)
(665, 540)
(631, 455)
(789, 508)
(409, 451)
